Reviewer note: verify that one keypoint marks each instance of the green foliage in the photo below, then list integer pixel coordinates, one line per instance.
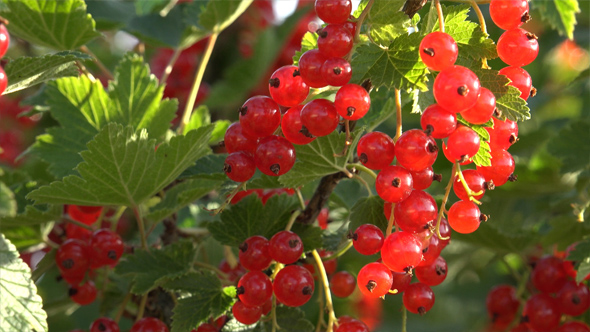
(21, 308)
(201, 117)
(208, 167)
(25, 72)
(309, 42)
(122, 168)
(581, 255)
(560, 14)
(332, 241)
(311, 236)
(219, 14)
(502, 242)
(508, 100)
(7, 201)
(387, 21)
(151, 268)
(368, 210)
(58, 24)
(571, 146)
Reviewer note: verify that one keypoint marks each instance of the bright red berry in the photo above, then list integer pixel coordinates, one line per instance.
(509, 14)
(72, 259)
(239, 166)
(434, 274)
(149, 324)
(236, 140)
(206, 328)
(401, 252)
(4, 40)
(104, 324)
(83, 294)
(415, 150)
(254, 254)
(465, 217)
(483, 109)
(573, 299)
(342, 284)
(438, 50)
(374, 280)
(501, 170)
(287, 87)
(548, 275)
(275, 155)
(574, 326)
(456, 89)
(520, 79)
(310, 67)
(246, 315)
(319, 117)
(517, 47)
(335, 40)
(502, 302)
(463, 143)
(336, 71)
(3, 81)
(438, 122)
(394, 184)
(503, 135)
(106, 247)
(260, 116)
(415, 213)
(376, 150)
(400, 281)
(476, 183)
(293, 286)
(351, 325)
(285, 247)
(541, 313)
(254, 289)
(418, 298)
(291, 126)
(352, 102)
(333, 11)
(367, 239)
(84, 214)
(423, 179)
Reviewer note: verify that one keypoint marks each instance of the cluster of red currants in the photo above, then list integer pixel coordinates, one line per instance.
(252, 143)
(555, 294)
(4, 43)
(147, 324)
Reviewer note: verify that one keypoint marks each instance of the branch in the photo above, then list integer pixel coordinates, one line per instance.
(320, 197)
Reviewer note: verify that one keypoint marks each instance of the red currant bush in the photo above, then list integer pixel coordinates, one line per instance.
(254, 254)
(334, 40)
(465, 217)
(104, 324)
(285, 247)
(319, 118)
(541, 313)
(434, 274)
(260, 116)
(415, 150)
(336, 71)
(342, 284)
(254, 289)
(106, 247)
(83, 294)
(401, 252)
(394, 184)
(310, 68)
(292, 126)
(520, 79)
(509, 14)
(333, 11)
(246, 315)
(367, 239)
(437, 122)
(415, 213)
(235, 140)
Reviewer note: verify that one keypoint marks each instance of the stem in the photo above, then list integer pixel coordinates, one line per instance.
(339, 253)
(164, 12)
(468, 190)
(482, 24)
(321, 322)
(441, 211)
(292, 220)
(122, 307)
(140, 225)
(441, 18)
(361, 180)
(275, 324)
(190, 103)
(512, 270)
(170, 64)
(404, 318)
(100, 65)
(229, 198)
(363, 168)
(77, 223)
(300, 198)
(390, 221)
(229, 256)
(141, 307)
(398, 112)
(329, 305)
(359, 24)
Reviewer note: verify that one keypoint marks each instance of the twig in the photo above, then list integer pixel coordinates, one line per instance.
(170, 65)
(229, 256)
(292, 220)
(77, 223)
(363, 168)
(359, 23)
(404, 318)
(324, 280)
(100, 65)
(339, 253)
(300, 198)
(212, 268)
(468, 190)
(229, 198)
(275, 324)
(320, 322)
(441, 210)
(141, 307)
(441, 19)
(390, 221)
(164, 12)
(364, 183)
(122, 307)
(140, 226)
(320, 197)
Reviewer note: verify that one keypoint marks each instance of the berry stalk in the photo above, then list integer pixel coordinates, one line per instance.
(140, 226)
(170, 65)
(441, 18)
(331, 315)
(100, 65)
(482, 24)
(398, 112)
(468, 190)
(443, 204)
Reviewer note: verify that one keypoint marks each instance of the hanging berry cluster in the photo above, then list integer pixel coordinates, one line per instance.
(4, 43)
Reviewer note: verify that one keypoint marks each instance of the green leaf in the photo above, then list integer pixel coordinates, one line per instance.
(149, 269)
(397, 66)
(147, 7)
(208, 167)
(487, 236)
(317, 159)
(583, 271)
(263, 181)
(110, 14)
(206, 298)
(180, 196)
(581, 255)
(83, 108)
(560, 14)
(379, 112)
(32, 216)
(21, 308)
(571, 146)
(565, 230)
(368, 210)
(332, 241)
(7, 202)
(201, 117)
(311, 236)
(25, 72)
(219, 14)
(508, 100)
(57, 24)
(309, 42)
(122, 168)
(483, 156)
(249, 217)
(387, 22)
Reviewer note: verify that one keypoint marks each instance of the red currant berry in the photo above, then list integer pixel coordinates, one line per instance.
(456, 89)
(342, 284)
(106, 247)
(4, 40)
(476, 183)
(293, 286)
(503, 135)
(415, 213)
(254, 288)
(83, 294)
(415, 150)
(319, 117)
(517, 47)
(465, 217)
(291, 126)
(573, 299)
(574, 326)
(232, 274)
(437, 122)
(548, 275)
(501, 170)
(449, 158)
(333, 11)
(239, 166)
(246, 315)
(351, 24)
(72, 258)
(483, 109)
(351, 325)
(104, 324)
(434, 274)
(3, 81)
(74, 231)
(236, 140)
(267, 307)
(376, 150)
(394, 184)
(433, 248)
(401, 252)
(463, 144)
(509, 14)
(274, 155)
(285, 247)
(541, 313)
(287, 87)
(254, 254)
(352, 102)
(367, 239)
(502, 301)
(260, 116)
(310, 65)
(423, 179)
(206, 328)
(520, 80)
(418, 298)
(336, 71)
(329, 265)
(149, 324)
(334, 40)
(438, 51)
(400, 282)
(374, 280)
(84, 214)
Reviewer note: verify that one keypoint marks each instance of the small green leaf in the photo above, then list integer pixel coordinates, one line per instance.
(387, 22)
(368, 210)
(21, 308)
(32, 216)
(508, 100)
(571, 146)
(560, 14)
(583, 271)
(263, 181)
(317, 159)
(565, 230)
(483, 156)
(309, 42)
(581, 255)
(201, 117)
(311, 236)
(379, 112)
(151, 268)
(219, 14)
(208, 167)
(122, 168)
(58, 24)
(148, 7)
(7, 202)
(25, 72)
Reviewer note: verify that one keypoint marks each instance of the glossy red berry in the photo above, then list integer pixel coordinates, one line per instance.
(434, 274)
(476, 183)
(351, 325)
(72, 259)
(87, 215)
(149, 324)
(376, 150)
(367, 239)
(509, 14)
(574, 326)
(336, 71)
(333, 11)
(293, 286)
(438, 122)
(329, 265)
(418, 298)
(106, 247)
(520, 79)
(275, 155)
(465, 217)
(517, 47)
(342, 284)
(334, 40)
(260, 116)
(502, 302)
(501, 169)
(415, 150)
(291, 126)
(400, 281)
(246, 315)
(254, 288)
(285, 247)
(319, 117)
(401, 252)
(352, 102)
(374, 280)
(83, 294)
(548, 275)
(503, 135)
(239, 166)
(463, 143)
(394, 184)
(3, 81)
(456, 89)
(236, 140)
(483, 109)
(541, 313)
(310, 67)
(415, 213)
(4, 40)
(438, 50)
(254, 254)
(573, 299)
(206, 328)
(104, 324)
(423, 179)
(287, 87)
